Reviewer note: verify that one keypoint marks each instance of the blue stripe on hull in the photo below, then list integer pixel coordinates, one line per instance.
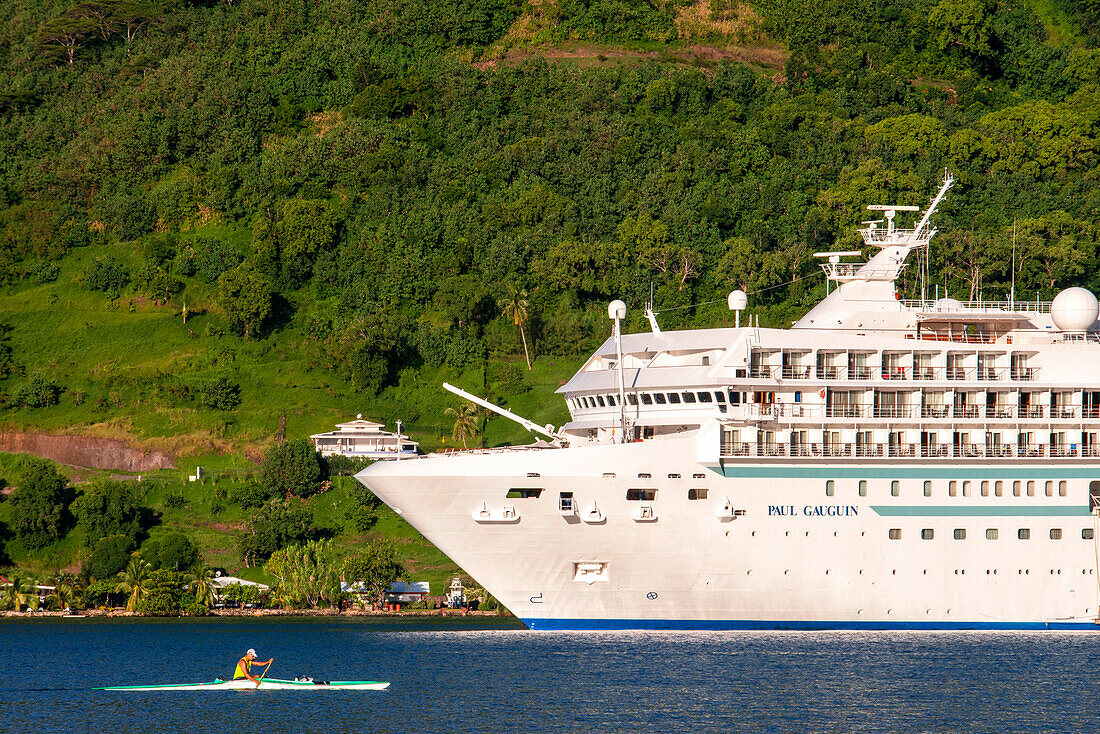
(603, 625)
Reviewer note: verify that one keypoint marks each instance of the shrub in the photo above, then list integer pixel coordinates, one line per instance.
(220, 394)
(107, 275)
(213, 258)
(40, 392)
(174, 501)
(253, 494)
(344, 466)
(164, 594)
(512, 378)
(277, 524)
(44, 271)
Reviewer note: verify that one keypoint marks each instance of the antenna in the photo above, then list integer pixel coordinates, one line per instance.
(616, 310)
(1012, 293)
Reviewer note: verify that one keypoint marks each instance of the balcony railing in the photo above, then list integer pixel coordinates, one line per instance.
(907, 450)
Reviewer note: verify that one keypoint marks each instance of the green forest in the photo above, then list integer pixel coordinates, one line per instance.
(226, 222)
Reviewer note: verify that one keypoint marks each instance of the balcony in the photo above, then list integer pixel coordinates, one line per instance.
(795, 372)
(828, 372)
(965, 411)
(950, 451)
(892, 411)
(844, 411)
(1023, 373)
(857, 372)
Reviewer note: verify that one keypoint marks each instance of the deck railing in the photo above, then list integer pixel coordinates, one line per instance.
(730, 449)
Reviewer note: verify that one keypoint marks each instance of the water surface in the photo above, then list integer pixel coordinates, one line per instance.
(474, 676)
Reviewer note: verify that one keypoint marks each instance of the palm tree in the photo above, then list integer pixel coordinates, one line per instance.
(19, 594)
(202, 586)
(465, 422)
(134, 581)
(514, 306)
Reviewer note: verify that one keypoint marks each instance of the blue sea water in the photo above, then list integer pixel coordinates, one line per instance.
(476, 675)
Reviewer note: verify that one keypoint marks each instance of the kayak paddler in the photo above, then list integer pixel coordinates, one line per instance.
(244, 666)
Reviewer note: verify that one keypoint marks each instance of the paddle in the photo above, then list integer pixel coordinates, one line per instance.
(266, 668)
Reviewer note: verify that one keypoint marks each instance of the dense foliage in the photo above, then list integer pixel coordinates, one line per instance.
(40, 505)
(110, 507)
(342, 171)
(292, 468)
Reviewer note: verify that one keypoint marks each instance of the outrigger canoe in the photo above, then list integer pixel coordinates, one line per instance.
(305, 684)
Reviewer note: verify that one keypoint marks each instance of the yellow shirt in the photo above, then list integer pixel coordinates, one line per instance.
(243, 668)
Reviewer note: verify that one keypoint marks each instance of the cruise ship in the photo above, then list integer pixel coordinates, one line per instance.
(882, 464)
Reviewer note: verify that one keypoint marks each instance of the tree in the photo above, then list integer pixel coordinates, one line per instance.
(173, 551)
(277, 524)
(109, 556)
(19, 594)
(201, 584)
(514, 306)
(39, 505)
(134, 581)
(111, 507)
(246, 297)
(162, 595)
(62, 37)
(292, 468)
(376, 567)
(465, 426)
(308, 575)
(40, 392)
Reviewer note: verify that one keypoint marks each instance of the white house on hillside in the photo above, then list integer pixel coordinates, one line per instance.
(365, 439)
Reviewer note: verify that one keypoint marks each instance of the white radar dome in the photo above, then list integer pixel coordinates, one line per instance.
(616, 310)
(948, 305)
(1074, 309)
(738, 301)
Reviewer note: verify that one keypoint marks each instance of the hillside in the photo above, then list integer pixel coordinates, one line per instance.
(214, 214)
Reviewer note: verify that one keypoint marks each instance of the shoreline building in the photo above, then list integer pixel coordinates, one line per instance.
(365, 439)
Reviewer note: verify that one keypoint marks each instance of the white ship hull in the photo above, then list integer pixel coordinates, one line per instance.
(779, 554)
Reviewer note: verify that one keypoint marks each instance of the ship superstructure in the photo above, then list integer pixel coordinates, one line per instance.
(883, 463)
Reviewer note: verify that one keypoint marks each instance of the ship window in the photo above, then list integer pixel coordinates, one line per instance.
(999, 488)
(689, 397)
(991, 534)
(927, 488)
(830, 488)
(674, 398)
(1056, 533)
(673, 476)
(1049, 488)
(612, 400)
(706, 361)
(644, 475)
(960, 533)
(641, 495)
(524, 493)
(565, 501)
(720, 396)
(895, 533)
(927, 534)
(862, 487)
(1086, 534)
(599, 400)
(735, 398)
(647, 399)
(966, 489)
(895, 488)
(1031, 488)
(659, 397)
(632, 399)
(1024, 533)
(797, 396)
(1062, 488)
(985, 488)
(699, 493)
(532, 474)
(705, 397)
(698, 476)
(1016, 488)
(952, 488)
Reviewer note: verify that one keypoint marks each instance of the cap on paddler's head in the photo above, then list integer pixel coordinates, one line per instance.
(251, 652)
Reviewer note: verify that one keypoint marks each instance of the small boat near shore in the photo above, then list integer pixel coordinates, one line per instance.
(240, 684)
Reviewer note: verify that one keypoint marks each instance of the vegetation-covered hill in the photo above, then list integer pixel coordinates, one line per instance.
(215, 212)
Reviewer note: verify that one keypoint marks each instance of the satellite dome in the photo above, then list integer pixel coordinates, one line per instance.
(616, 310)
(948, 304)
(1074, 309)
(737, 300)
